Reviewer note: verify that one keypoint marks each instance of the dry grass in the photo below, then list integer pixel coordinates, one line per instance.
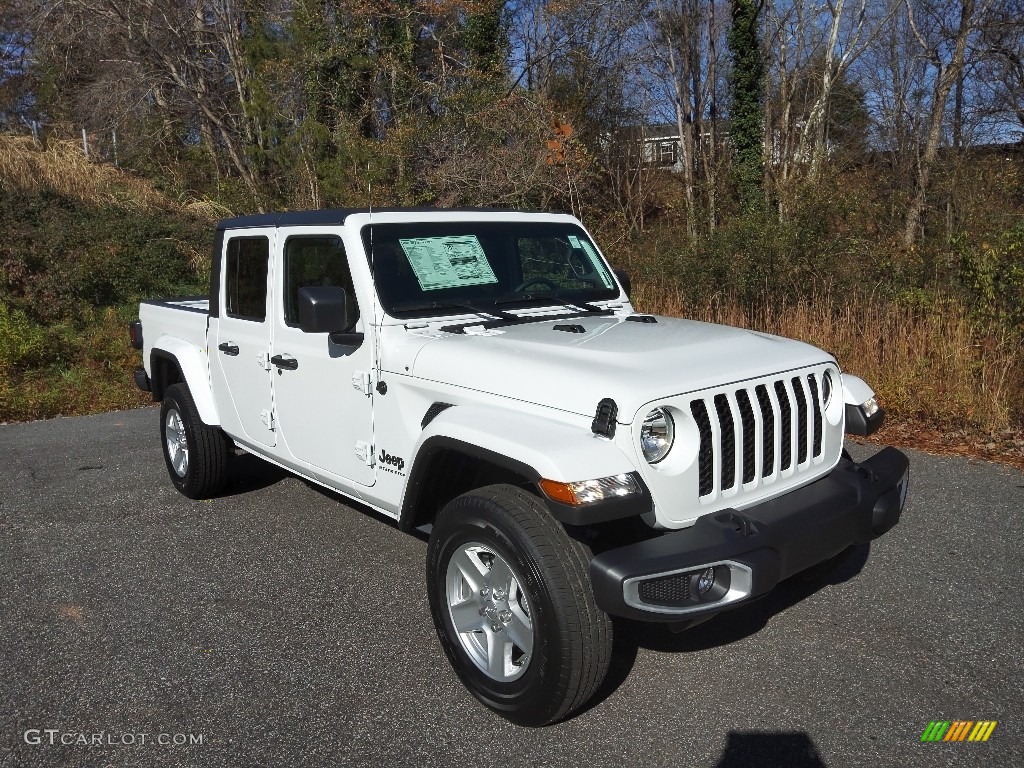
(933, 367)
(61, 167)
(208, 209)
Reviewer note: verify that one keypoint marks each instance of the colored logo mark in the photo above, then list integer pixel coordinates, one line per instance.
(958, 730)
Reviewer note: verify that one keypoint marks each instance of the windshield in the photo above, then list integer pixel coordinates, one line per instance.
(449, 268)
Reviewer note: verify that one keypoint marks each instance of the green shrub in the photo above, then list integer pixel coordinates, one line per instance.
(26, 344)
(72, 271)
(65, 254)
(993, 276)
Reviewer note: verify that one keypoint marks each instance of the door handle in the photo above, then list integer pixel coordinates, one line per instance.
(228, 349)
(285, 362)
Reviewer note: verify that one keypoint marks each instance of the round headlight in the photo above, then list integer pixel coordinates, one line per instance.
(826, 388)
(657, 435)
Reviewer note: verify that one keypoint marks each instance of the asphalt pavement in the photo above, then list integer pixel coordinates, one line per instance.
(278, 625)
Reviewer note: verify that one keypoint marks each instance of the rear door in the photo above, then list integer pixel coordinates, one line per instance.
(240, 337)
(321, 389)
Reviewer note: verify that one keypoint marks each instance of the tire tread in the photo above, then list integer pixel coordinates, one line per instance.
(209, 448)
(587, 631)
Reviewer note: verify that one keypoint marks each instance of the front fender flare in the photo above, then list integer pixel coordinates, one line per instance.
(856, 392)
(532, 447)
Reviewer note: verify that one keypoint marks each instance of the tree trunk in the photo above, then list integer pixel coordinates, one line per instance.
(678, 69)
(709, 153)
(944, 81)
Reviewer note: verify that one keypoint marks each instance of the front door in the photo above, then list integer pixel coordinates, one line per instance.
(321, 389)
(240, 339)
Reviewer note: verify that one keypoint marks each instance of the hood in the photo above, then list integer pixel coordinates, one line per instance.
(631, 362)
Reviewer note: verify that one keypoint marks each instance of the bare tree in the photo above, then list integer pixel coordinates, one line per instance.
(179, 59)
(1001, 70)
(896, 78)
(943, 40)
(839, 55)
(15, 45)
(684, 41)
(791, 45)
(678, 28)
(814, 46)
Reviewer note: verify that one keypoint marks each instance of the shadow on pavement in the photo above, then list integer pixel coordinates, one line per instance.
(247, 473)
(792, 749)
(728, 627)
(746, 620)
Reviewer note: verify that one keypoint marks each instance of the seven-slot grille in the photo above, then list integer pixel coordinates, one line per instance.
(782, 418)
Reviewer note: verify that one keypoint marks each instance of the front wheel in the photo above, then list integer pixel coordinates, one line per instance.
(195, 453)
(513, 607)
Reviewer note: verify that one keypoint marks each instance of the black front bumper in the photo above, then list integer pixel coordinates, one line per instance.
(753, 550)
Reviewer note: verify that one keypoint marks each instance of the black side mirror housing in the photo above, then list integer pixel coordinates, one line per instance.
(324, 309)
(627, 284)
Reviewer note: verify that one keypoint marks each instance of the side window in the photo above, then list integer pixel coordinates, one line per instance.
(315, 260)
(245, 277)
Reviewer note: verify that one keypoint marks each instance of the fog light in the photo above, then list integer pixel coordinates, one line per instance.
(705, 581)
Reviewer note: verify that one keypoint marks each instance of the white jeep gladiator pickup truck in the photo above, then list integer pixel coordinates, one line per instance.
(481, 375)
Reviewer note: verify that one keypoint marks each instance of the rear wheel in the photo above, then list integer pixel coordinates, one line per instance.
(195, 453)
(513, 607)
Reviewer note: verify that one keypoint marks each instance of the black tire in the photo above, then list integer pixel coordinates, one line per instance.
(207, 448)
(571, 636)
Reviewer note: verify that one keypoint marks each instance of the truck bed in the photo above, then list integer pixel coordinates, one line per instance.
(200, 304)
(182, 318)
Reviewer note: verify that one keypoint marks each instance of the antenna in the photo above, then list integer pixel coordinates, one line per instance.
(377, 321)
(369, 223)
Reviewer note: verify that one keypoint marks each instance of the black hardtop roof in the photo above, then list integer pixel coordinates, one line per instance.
(337, 216)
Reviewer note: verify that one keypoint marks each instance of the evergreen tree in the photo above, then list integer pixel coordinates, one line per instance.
(747, 88)
(485, 37)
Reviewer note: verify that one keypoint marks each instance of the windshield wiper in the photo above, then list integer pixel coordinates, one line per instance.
(424, 305)
(550, 299)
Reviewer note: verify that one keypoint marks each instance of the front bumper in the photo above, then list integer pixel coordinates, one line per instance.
(745, 554)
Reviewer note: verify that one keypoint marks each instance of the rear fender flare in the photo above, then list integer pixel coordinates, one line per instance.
(193, 366)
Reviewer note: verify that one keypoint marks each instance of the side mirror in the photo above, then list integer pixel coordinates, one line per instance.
(324, 309)
(623, 277)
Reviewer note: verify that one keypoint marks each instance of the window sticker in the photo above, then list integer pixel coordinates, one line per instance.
(450, 261)
(574, 241)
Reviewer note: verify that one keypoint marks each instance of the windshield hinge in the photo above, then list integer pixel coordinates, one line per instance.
(604, 419)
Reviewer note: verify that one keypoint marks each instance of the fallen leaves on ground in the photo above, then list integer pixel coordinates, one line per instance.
(1004, 447)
